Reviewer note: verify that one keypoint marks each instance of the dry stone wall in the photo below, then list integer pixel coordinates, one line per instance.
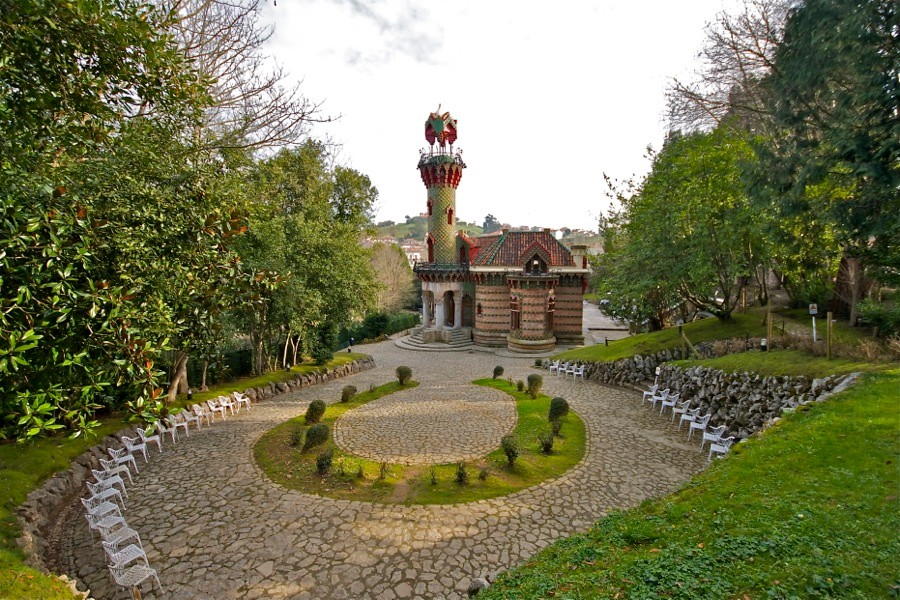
(53, 502)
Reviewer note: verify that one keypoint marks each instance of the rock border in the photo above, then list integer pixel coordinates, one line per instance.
(39, 515)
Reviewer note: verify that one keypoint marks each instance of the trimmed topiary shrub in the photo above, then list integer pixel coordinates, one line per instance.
(559, 408)
(315, 435)
(520, 386)
(535, 383)
(323, 461)
(556, 426)
(498, 371)
(404, 374)
(545, 439)
(511, 448)
(538, 363)
(314, 411)
(347, 393)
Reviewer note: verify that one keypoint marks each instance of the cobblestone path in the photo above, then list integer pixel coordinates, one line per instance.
(215, 528)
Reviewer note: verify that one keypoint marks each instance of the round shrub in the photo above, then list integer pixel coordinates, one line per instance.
(404, 374)
(538, 363)
(462, 475)
(558, 409)
(545, 439)
(314, 411)
(347, 393)
(535, 383)
(323, 461)
(315, 435)
(498, 371)
(297, 435)
(520, 386)
(511, 448)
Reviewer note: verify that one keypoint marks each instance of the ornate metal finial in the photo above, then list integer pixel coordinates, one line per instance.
(440, 128)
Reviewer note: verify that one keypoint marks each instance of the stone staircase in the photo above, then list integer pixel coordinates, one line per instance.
(437, 340)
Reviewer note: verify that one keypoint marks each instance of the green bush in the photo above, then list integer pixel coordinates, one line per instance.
(545, 439)
(462, 475)
(315, 435)
(558, 409)
(885, 318)
(556, 426)
(314, 411)
(520, 386)
(483, 473)
(511, 448)
(297, 435)
(498, 371)
(538, 363)
(535, 383)
(404, 374)
(347, 393)
(323, 461)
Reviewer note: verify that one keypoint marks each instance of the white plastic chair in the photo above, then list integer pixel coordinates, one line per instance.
(105, 492)
(123, 457)
(648, 395)
(241, 400)
(689, 416)
(118, 533)
(163, 428)
(659, 397)
(149, 438)
(576, 371)
(722, 447)
(669, 402)
(133, 445)
(113, 468)
(699, 424)
(713, 436)
(96, 523)
(108, 479)
(133, 576)
(190, 417)
(216, 408)
(554, 367)
(201, 413)
(562, 368)
(226, 402)
(680, 409)
(175, 421)
(123, 555)
(100, 507)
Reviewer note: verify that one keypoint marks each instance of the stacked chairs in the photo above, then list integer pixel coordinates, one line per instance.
(718, 444)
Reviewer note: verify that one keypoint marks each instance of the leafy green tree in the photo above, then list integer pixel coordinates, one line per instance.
(834, 98)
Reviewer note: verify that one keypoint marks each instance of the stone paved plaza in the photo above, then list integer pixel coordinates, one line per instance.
(215, 527)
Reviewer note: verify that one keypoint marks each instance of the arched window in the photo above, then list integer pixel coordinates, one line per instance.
(478, 309)
(551, 308)
(463, 255)
(430, 207)
(449, 216)
(536, 266)
(584, 262)
(429, 241)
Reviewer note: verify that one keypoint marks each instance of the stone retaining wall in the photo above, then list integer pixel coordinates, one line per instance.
(744, 402)
(39, 513)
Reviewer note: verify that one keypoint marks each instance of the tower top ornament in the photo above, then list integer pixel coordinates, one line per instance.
(440, 128)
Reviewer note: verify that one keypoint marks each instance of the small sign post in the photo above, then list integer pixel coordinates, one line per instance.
(813, 310)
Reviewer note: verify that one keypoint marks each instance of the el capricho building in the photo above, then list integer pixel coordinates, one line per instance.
(522, 290)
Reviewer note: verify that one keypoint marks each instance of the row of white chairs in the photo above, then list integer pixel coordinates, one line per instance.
(718, 444)
(128, 564)
(567, 368)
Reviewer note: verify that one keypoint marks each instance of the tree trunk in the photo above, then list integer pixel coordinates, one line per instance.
(296, 347)
(855, 277)
(179, 383)
(203, 387)
(284, 356)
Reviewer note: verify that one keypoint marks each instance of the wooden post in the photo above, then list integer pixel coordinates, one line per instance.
(769, 325)
(828, 333)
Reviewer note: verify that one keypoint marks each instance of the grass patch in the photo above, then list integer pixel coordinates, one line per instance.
(704, 330)
(808, 510)
(24, 467)
(783, 362)
(294, 469)
(304, 368)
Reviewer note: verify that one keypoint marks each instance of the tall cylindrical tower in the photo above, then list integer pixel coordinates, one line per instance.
(441, 171)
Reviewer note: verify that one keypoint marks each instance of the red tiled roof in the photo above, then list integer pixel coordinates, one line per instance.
(508, 250)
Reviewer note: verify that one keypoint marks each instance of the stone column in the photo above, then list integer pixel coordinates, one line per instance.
(439, 319)
(426, 310)
(457, 310)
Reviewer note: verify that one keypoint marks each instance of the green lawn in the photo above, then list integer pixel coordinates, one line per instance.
(811, 509)
(699, 331)
(412, 484)
(783, 362)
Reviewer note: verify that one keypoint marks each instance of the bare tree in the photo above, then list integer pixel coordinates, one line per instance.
(737, 55)
(253, 107)
(396, 282)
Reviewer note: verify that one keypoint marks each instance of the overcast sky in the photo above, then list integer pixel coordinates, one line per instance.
(548, 96)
